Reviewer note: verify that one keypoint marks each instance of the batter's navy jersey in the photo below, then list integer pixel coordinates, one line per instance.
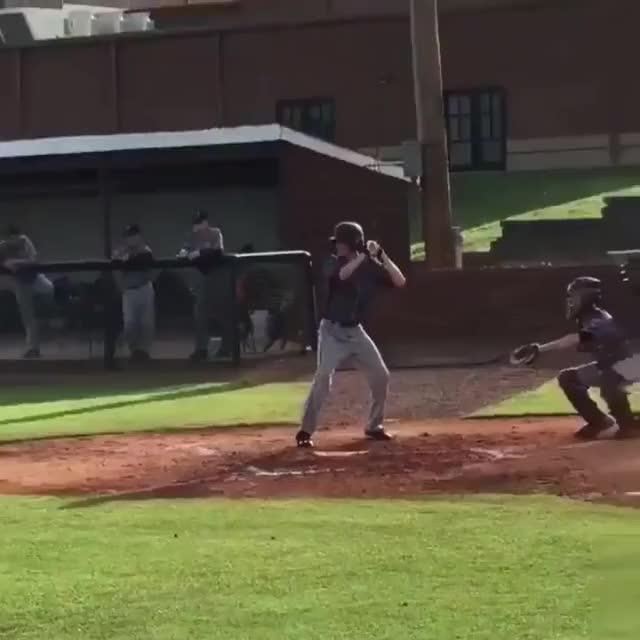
(348, 301)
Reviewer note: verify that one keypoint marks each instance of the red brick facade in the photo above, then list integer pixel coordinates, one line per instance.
(493, 304)
(565, 70)
(317, 192)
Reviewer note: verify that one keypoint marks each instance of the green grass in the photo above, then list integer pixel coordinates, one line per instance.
(545, 400)
(491, 569)
(481, 201)
(29, 412)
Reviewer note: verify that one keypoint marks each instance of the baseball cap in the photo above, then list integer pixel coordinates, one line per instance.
(132, 230)
(200, 216)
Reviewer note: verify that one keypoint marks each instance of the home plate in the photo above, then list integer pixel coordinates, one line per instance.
(340, 454)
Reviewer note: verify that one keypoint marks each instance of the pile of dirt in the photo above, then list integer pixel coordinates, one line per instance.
(434, 457)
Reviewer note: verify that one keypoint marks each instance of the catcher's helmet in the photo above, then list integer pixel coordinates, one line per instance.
(582, 295)
(350, 234)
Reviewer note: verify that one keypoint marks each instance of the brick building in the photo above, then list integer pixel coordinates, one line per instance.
(529, 83)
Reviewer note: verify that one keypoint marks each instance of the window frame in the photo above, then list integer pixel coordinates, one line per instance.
(476, 138)
(305, 105)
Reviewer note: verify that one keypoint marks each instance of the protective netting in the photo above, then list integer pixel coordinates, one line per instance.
(226, 309)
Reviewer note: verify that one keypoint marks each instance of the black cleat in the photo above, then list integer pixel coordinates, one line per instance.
(379, 434)
(591, 431)
(31, 354)
(303, 440)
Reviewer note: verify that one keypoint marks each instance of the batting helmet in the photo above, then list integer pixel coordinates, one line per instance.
(582, 295)
(350, 234)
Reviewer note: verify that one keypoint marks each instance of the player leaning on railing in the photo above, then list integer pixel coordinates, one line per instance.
(17, 253)
(138, 294)
(598, 334)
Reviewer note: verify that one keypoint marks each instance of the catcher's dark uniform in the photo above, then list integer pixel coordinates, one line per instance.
(601, 336)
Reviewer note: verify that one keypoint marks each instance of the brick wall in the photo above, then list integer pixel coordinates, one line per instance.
(576, 84)
(364, 66)
(318, 192)
(492, 304)
(169, 84)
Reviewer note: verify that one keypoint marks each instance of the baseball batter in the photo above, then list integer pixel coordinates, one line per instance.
(597, 333)
(351, 278)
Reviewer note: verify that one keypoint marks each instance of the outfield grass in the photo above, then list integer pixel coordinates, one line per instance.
(481, 201)
(546, 400)
(531, 569)
(29, 412)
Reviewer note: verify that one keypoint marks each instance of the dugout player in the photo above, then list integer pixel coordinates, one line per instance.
(31, 287)
(350, 277)
(210, 286)
(138, 295)
(597, 333)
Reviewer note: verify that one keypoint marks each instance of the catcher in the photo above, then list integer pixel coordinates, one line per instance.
(598, 334)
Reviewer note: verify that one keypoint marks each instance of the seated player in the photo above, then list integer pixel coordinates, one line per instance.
(598, 334)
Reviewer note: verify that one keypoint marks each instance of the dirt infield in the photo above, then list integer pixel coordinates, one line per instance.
(434, 457)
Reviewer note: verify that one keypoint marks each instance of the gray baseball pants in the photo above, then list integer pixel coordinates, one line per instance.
(139, 314)
(27, 297)
(576, 384)
(202, 311)
(212, 302)
(629, 368)
(335, 345)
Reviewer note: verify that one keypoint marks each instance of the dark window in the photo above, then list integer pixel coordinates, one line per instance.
(314, 117)
(476, 129)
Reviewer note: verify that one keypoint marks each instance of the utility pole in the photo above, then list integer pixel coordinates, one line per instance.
(435, 192)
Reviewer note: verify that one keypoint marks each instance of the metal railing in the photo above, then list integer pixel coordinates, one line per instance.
(84, 307)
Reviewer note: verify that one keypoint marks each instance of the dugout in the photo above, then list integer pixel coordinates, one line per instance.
(267, 187)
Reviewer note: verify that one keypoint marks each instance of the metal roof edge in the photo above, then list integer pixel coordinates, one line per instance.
(340, 153)
(113, 143)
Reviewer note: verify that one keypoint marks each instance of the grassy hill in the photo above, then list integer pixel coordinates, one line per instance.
(482, 200)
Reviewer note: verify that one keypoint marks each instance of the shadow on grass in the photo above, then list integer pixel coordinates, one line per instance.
(481, 199)
(139, 432)
(191, 490)
(170, 394)
(43, 393)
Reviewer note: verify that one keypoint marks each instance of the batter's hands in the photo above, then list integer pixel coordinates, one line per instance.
(526, 354)
(375, 250)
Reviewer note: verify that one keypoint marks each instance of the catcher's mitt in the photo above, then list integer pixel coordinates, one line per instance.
(526, 354)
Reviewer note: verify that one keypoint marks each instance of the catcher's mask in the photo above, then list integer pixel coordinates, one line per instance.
(583, 294)
(348, 234)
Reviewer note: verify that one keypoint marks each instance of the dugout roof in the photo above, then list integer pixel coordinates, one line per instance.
(231, 143)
